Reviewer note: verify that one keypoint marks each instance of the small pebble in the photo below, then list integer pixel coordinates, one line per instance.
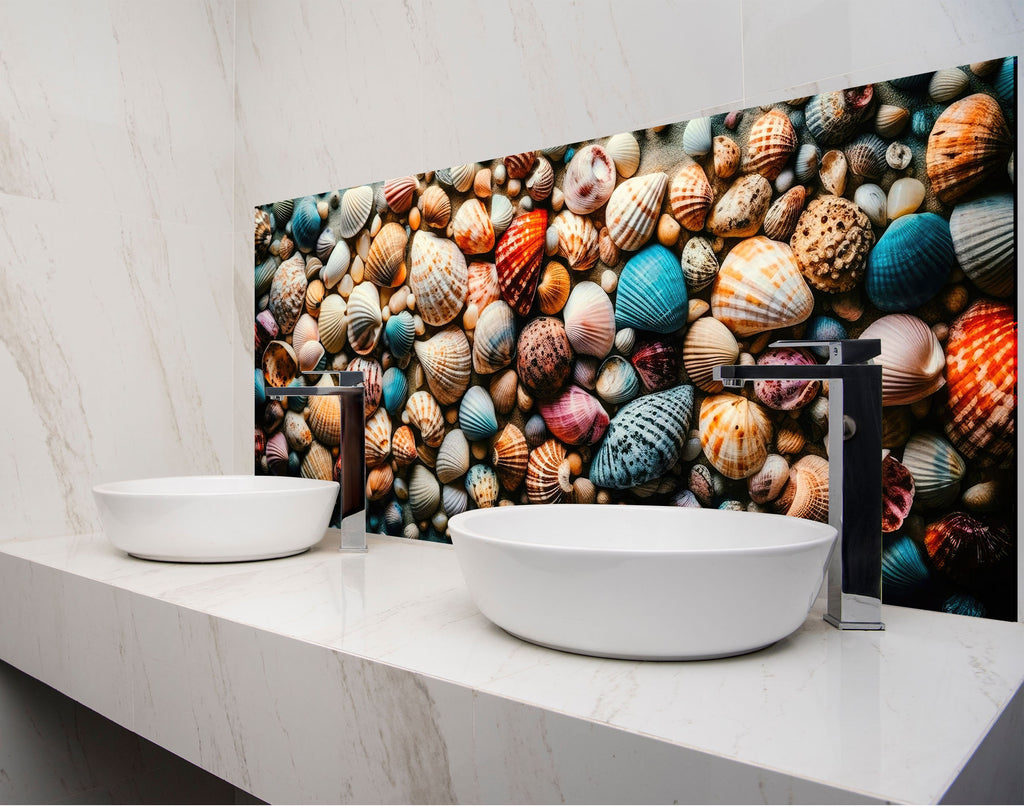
(356, 271)
(482, 183)
(954, 299)
(323, 209)
(898, 156)
(417, 321)
(470, 317)
(525, 203)
(346, 285)
(375, 226)
(575, 463)
(414, 218)
(558, 199)
(668, 230)
(499, 174)
(609, 281)
(698, 307)
(551, 241)
(941, 331)
(785, 180)
(604, 497)
(732, 120)
(514, 186)
(363, 244)
(335, 199)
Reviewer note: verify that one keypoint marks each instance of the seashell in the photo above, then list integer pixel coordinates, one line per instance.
(385, 263)
(446, 361)
(583, 492)
(617, 381)
(657, 364)
(378, 438)
(651, 294)
(936, 467)
(399, 193)
(324, 418)
(503, 388)
(781, 218)
(315, 292)
(437, 207)
(399, 333)
(759, 287)
(544, 357)
(309, 355)
(911, 358)
(364, 319)
(965, 548)
(903, 567)
(607, 251)
(699, 264)
(742, 208)
(277, 453)
(280, 364)
(910, 263)
(333, 323)
(373, 381)
(502, 212)
(872, 200)
(708, 344)
(306, 223)
(963, 604)
(575, 417)
(589, 320)
(577, 240)
(474, 232)
(833, 236)
(789, 438)
(898, 156)
(806, 493)
(553, 289)
(771, 141)
(1005, 81)
(735, 434)
(690, 196)
(454, 499)
(424, 493)
(317, 463)
(425, 414)
(625, 153)
(438, 277)
(325, 244)
(288, 294)
(518, 165)
(726, 156)
(482, 486)
(983, 239)
(336, 266)
(981, 370)
(589, 180)
(403, 445)
(633, 210)
(832, 117)
(481, 285)
(535, 431)
(547, 474)
(968, 143)
(767, 483)
(356, 205)
(541, 181)
(452, 456)
(644, 439)
(263, 234)
(697, 137)
(264, 275)
(509, 457)
(865, 156)
(476, 414)
(296, 431)
(702, 485)
(832, 172)
(890, 120)
(824, 328)
(494, 343)
(897, 422)
(807, 158)
(517, 259)
(897, 493)
(282, 211)
(625, 340)
(394, 389)
(786, 395)
(983, 497)
(947, 84)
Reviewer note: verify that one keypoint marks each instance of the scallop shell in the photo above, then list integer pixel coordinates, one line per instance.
(577, 240)
(541, 180)
(336, 266)
(625, 153)
(910, 263)
(936, 467)
(503, 388)
(309, 355)
(767, 483)
(378, 438)
(651, 293)
(476, 414)
(575, 417)
(807, 158)
(438, 277)
(697, 137)
(832, 117)
(424, 493)
(452, 456)
(454, 499)
(306, 223)
(509, 457)
(708, 344)
(463, 176)
(323, 415)
(690, 196)
(481, 285)
(263, 233)
(436, 206)
(911, 358)
(473, 231)
(315, 292)
(373, 381)
(699, 264)
(759, 287)
(726, 156)
(264, 275)
(981, 370)
(633, 210)
(897, 493)
(968, 143)
(517, 259)
(494, 343)
(786, 395)
(890, 120)
(333, 323)
(325, 244)
(385, 263)
(380, 481)
(282, 211)
(904, 570)
(446, 361)
(364, 320)
(833, 236)
(740, 211)
(806, 493)
(589, 320)
(394, 389)
(399, 193)
(872, 200)
(657, 364)
(589, 180)
(771, 141)
(288, 294)
(553, 289)
(482, 486)
(547, 474)
(781, 218)
(965, 548)
(735, 434)
(983, 239)
(356, 205)
(644, 439)
(502, 212)
(400, 332)
(318, 463)
(519, 165)
(403, 445)
(947, 84)
(424, 413)
(617, 380)
(865, 156)
(544, 357)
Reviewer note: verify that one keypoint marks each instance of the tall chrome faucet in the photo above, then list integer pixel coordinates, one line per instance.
(352, 458)
(854, 470)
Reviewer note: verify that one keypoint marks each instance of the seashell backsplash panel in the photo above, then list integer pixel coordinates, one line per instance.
(541, 326)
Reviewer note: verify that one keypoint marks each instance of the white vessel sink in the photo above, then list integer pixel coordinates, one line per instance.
(210, 519)
(642, 582)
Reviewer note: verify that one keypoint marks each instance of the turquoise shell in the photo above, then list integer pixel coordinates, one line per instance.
(476, 415)
(651, 293)
(265, 272)
(963, 604)
(294, 464)
(903, 567)
(395, 388)
(644, 439)
(399, 332)
(297, 403)
(824, 328)
(922, 121)
(261, 387)
(910, 263)
(306, 223)
(1003, 82)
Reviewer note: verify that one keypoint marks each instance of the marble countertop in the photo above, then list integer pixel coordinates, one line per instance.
(241, 667)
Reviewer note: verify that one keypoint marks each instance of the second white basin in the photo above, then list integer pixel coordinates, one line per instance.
(642, 582)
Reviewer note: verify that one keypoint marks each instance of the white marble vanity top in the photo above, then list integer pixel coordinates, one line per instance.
(331, 677)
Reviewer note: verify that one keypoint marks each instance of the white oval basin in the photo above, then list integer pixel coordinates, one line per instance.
(210, 519)
(642, 582)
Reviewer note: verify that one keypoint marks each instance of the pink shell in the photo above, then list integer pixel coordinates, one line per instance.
(786, 395)
(657, 363)
(482, 282)
(589, 180)
(575, 417)
(897, 493)
(399, 193)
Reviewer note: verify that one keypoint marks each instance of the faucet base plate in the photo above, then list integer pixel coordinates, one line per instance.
(854, 625)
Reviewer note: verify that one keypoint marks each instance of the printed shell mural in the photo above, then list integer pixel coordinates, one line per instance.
(541, 327)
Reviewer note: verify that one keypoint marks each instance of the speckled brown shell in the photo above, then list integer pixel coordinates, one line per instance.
(741, 210)
(519, 165)
(544, 357)
(831, 243)
(780, 221)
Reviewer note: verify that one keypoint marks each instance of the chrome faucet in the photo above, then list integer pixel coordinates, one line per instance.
(854, 469)
(352, 500)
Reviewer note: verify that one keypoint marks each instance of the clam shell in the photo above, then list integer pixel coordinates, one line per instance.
(535, 431)
(438, 277)
(547, 474)
(446, 361)
(305, 331)
(657, 364)
(697, 137)
(965, 548)
(476, 415)
(983, 239)
(832, 172)
(589, 320)
(385, 263)
(333, 323)
(890, 120)
(277, 453)
(264, 275)
(726, 156)
(577, 240)
(786, 395)
(759, 287)
(325, 244)
(832, 239)
(473, 231)
(575, 417)
(589, 180)
(911, 358)
(517, 259)
(400, 332)
(282, 211)
(553, 289)
(373, 381)
(279, 364)
(541, 181)
(494, 343)
(872, 200)
(903, 567)
(454, 499)
(936, 467)
(323, 414)
(399, 193)
(771, 141)
(462, 176)
(910, 263)
(364, 320)
(651, 293)
(865, 156)
(806, 493)
(735, 434)
(380, 481)
(947, 84)
(424, 493)
(336, 266)
(452, 456)
(356, 205)
(263, 233)
(767, 483)
(832, 117)
(481, 285)
(518, 165)
(509, 456)
(437, 207)
(983, 497)
(617, 381)
(544, 357)
(644, 439)
(403, 445)
(708, 344)
(781, 218)
(699, 264)
(378, 438)
(968, 143)
(502, 212)
(742, 208)
(296, 431)
(633, 210)
(317, 463)
(905, 196)
(807, 158)
(288, 293)
(424, 413)
(309, 355)
(315, 292)
(482, 486)
(503, 387)
(394, 389)
(625, 153)
(306, 223)
(690, 196)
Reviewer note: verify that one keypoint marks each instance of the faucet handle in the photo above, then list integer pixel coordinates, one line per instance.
(345, 377)
(845, 351)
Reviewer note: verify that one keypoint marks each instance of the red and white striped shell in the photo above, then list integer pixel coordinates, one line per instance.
(690, 196)
(399, 193)
(517, 259)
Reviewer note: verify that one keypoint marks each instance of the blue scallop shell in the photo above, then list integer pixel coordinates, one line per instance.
(922, 121)
(644, 439)
(399, 333)
(916, 83)
(1003, 83)
(476, 415)
(261, 387)
(824, 328)
(963, 604)
(651, 293)
(910, 263)
(306, 223)
(297, 402)
(903, 567)
(395, 388)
